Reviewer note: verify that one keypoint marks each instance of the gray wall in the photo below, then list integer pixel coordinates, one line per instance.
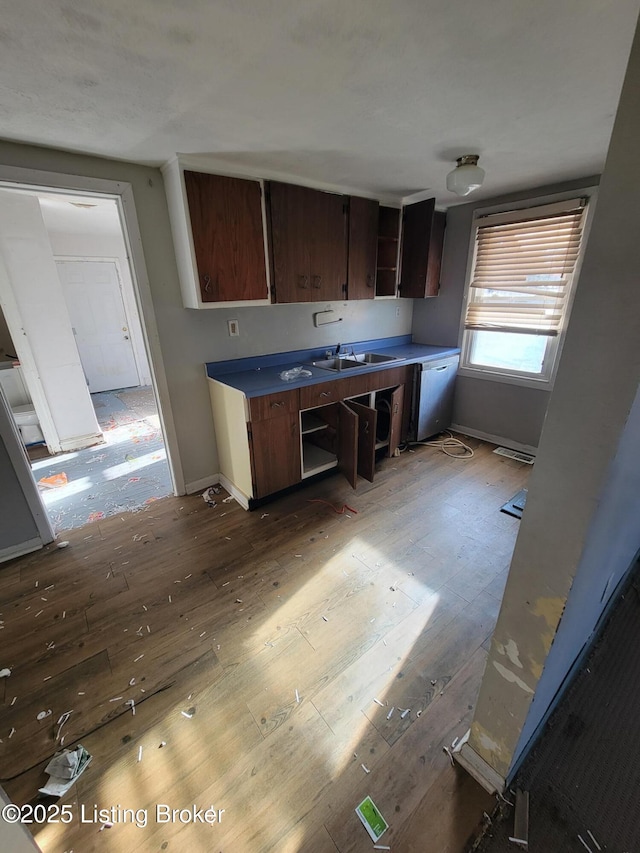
(510, 412)
(609, 553)
(581, 527)
(16, 522)
(189, 338)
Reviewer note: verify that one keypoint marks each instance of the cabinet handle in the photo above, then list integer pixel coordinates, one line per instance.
(317, 281)
(444, 367)
(277, 405)
(369, 280)
(326, 393)
(303, 282)
(207, 283)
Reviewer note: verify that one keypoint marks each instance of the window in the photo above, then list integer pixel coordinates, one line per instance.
(519, 292)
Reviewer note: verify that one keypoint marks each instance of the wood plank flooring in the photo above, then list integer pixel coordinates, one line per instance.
(254, 646)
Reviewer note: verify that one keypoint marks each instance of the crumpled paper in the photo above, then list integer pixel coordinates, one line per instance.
(64, 769)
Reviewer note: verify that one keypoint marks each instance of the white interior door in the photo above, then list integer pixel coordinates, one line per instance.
(94, 299)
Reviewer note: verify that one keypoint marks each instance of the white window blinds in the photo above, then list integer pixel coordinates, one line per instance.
(524, 263)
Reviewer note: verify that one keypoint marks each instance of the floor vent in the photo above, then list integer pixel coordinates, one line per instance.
(515, 454)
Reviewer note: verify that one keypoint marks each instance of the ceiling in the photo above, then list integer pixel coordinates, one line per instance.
(379, 96)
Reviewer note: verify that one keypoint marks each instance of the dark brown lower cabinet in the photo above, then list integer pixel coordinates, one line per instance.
(275, 454)
(272, 442)
(367, 419)
(395, 427)
(347, 434)
(330, 440)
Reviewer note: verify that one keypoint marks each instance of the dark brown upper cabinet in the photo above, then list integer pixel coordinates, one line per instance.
(387, 259)
(363, 248)
(228, 239)
(308, 240)
(422, 243)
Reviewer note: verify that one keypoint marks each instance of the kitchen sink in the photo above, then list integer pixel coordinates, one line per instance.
(376, 358)
(337, 363)
(351, 362)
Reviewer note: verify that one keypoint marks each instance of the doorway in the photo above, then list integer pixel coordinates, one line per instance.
(124, 464)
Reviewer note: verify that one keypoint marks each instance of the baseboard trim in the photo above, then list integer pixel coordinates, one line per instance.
(242, 499)
(495, 439)
(79, 442)
(14, 551)
(202, 483)
(477, 767)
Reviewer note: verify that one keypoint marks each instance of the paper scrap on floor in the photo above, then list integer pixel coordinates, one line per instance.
(64, 769)
(371, 819)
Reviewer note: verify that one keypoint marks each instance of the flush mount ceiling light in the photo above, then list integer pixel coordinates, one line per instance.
(467, 175)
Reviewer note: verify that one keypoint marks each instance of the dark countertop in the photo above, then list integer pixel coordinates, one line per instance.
(259, 375)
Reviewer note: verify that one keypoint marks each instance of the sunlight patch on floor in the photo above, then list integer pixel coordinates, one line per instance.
(343, 575)
(52, 496)
(134, 464)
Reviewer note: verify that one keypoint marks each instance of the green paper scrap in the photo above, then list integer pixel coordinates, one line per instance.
(371, 818)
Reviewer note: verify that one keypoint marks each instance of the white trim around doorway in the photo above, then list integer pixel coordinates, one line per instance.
(33, 180)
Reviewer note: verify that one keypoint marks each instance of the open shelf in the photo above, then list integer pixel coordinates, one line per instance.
(316, 459)
(388, 246)
(386, 282)
(312, 423)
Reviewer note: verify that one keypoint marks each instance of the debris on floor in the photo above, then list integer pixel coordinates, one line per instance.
(209, 496)
(521, 820)
(128, 420)
(54, 481)
(371, 819)
(335, 509)
(64, 770)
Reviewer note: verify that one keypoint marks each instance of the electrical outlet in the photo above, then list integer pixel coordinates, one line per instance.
(397, 311)
(234, 328)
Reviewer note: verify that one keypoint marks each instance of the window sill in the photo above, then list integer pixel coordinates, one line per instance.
(506, 379)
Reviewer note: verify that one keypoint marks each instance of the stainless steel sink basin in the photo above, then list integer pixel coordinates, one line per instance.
(354, 361)
(337, 363)
(376, 358)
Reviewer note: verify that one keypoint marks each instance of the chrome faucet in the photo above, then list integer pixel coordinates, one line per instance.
(329, 353)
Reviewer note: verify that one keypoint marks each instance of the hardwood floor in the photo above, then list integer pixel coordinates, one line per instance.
(254, 646)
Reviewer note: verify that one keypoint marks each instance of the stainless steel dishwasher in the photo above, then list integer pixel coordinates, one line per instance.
(432, 403)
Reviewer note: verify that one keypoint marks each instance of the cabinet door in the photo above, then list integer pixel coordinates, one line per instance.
(348, 443)
(275, 454)
(288, 218)
(395, 432)
(422, 243)
(327, 235)
(308, 238)
(367, 423)
(226, 223)
(363, 248)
